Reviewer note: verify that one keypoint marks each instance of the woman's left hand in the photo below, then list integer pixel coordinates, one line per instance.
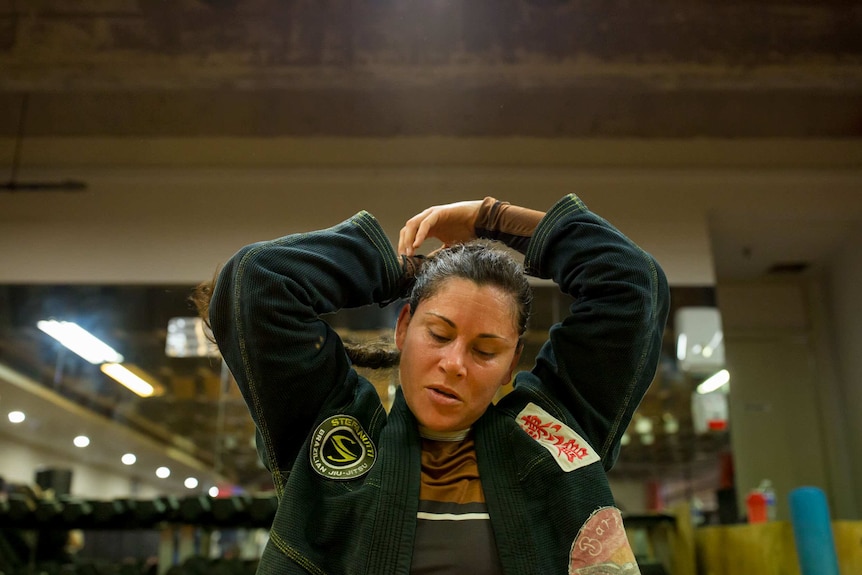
(449, 223)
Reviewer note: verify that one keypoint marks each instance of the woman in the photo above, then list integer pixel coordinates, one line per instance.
(445, 482)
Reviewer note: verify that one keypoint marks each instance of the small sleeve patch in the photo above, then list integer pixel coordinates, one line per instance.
(570, 450)
(341, 449)
(602, 548)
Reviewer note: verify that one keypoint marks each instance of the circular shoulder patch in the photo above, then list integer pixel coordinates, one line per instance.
(340, 448)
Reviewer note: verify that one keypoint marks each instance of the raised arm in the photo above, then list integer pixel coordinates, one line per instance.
(265, 316)
(463, 221)
(600, 360)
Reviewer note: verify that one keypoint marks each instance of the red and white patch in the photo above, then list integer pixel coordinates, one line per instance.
(569, 449)
(602, 546)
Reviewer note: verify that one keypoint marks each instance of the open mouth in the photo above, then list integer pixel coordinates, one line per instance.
(443, 393)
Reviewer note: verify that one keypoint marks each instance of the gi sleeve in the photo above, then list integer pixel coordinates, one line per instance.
(265, 314)
(600, 360)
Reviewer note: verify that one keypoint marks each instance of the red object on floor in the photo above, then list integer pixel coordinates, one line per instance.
(717, 424)
(756, 504)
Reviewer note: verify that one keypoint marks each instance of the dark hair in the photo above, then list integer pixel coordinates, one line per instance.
(479, 261)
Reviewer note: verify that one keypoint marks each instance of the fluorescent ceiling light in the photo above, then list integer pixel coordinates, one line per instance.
(80, 341)
(125, 377)
(714, 382)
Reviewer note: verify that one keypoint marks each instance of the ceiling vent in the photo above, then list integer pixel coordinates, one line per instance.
(787, 268)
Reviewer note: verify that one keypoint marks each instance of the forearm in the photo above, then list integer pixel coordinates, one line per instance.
(502, 221)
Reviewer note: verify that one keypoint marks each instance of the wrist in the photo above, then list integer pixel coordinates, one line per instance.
(487, 217)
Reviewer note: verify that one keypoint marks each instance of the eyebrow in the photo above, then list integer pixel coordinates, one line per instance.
(452, 324)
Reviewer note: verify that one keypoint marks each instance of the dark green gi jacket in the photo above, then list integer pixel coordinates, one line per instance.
(347, 473)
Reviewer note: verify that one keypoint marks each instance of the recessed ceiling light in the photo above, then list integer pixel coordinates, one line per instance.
(643, 425)
(129, 459)
(163, 472)
(17, 416)
(190, 482)
(213, 492)
(671, 424)
(81, 441)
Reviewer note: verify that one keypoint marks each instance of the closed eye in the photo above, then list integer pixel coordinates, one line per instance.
(437, 337)
(485, 354)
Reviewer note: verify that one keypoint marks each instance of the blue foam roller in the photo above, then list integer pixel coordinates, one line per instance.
(812, 530)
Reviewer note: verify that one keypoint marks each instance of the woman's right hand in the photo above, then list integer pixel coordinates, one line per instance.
(450, 223)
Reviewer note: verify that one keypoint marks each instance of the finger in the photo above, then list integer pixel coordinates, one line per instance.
(425, 227)
(403, 241)
(408, 233)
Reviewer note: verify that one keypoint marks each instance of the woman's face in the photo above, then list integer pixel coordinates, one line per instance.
(457, 349)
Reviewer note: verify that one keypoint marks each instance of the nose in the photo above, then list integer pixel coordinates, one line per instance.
(452, 362)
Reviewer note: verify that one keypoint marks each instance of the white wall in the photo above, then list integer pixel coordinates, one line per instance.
(785, 422)
(845, 295)
(177, 225)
